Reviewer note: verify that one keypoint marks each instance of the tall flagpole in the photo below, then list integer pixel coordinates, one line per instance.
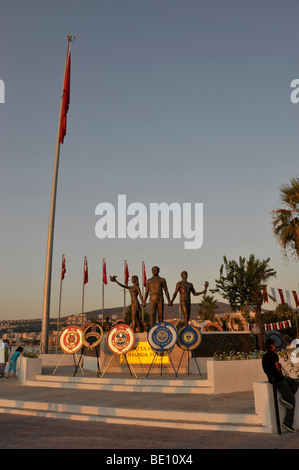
(126, 277)
(124, 307)
(59, 305)
(142, 290)
(85, 280)
(103, 299)
(103, 282)
(48, 272)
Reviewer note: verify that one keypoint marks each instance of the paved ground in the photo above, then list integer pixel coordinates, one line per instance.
(20, 432)
(224, 403)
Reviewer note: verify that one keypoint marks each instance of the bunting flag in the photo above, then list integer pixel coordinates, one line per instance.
(281, 296)
(143, 274)
(63, 269)
(126, 273)
(284, 296)
(273, 293)
(288, 298)
(296, 298)
(85, 274)
(66, 100)
(104, 272)
(281, 325)
(266, 300)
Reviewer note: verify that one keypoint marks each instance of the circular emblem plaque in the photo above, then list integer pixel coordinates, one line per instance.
(162, 336)
(71, 339)
(189, 338)
(92, 335)
(121, 339)
(279, 340)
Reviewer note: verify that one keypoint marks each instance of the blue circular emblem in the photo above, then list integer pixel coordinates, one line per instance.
(189, 337)
(278, 338)
(162, 336)
(120, 339)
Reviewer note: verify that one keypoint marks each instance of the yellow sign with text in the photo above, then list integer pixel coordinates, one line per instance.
(143, 354)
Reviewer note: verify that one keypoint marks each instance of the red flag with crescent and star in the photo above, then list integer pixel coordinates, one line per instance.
(65, 100)
(85, 274)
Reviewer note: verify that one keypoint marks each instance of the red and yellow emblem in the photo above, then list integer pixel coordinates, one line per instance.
(71, 339)
(121, 339)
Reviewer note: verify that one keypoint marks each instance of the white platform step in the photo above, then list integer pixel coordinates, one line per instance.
(123, 385)
(153, 418)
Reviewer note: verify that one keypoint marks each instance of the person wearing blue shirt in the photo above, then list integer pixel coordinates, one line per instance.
(12, 364)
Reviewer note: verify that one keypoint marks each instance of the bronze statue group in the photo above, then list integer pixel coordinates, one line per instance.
(155, 287)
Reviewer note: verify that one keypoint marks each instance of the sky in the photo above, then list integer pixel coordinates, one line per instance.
(184, 101)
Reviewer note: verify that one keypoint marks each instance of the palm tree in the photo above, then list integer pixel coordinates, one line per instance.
(286, 219)
(207, 308)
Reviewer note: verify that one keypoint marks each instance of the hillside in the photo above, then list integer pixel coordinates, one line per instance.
(169, 312)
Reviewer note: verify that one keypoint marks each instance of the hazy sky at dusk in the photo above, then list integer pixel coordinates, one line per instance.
(171, 101)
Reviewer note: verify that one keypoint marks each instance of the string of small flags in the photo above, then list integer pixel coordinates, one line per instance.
(279, 325)
(284, 296)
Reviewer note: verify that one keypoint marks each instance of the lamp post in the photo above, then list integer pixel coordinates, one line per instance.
(256, 330)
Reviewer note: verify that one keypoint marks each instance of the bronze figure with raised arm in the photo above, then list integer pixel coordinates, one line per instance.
(185, 289)
(134, 292)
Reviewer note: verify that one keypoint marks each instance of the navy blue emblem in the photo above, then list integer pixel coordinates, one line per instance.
(162, 336)
(189, 337)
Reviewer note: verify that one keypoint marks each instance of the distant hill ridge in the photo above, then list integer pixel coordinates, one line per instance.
(169, 312)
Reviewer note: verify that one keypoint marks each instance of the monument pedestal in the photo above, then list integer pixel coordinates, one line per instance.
(223, 341)
(141, 357)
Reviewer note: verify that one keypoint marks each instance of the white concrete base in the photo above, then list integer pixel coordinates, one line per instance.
(51, 360)
(29, 368)
(264, 406)
(234, 376)
(122, 384)
(156, 418)
(223, 377)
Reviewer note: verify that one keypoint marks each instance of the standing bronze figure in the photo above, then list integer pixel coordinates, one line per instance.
(154, 288)
(134, 292)
(186, 289)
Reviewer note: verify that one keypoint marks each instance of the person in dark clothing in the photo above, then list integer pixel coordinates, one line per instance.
(284, 384)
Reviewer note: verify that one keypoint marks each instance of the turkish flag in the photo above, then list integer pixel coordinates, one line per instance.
(281, 296)
(126, 274)
(265, 294)
(65, 100)
(296, 298)
(144, 275)
(104, 272)
(85, 274)
(63, 270)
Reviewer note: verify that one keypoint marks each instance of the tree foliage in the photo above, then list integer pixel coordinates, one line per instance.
(286, 219)
(207, 308)
(242, 284)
